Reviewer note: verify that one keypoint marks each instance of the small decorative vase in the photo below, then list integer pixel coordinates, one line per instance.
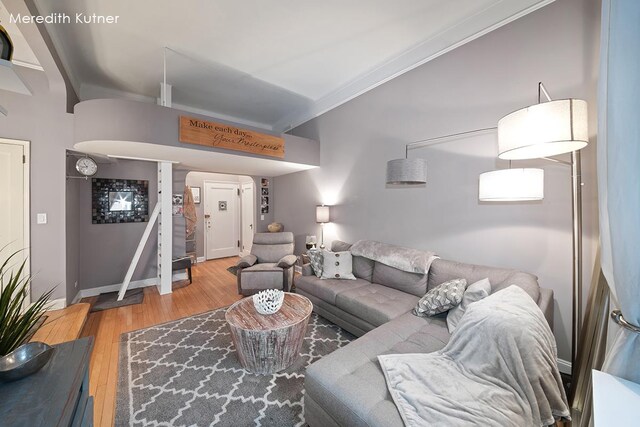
(268, 301)
(275, 227)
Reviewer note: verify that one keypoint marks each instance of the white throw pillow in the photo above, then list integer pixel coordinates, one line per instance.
(337, 265)
(474, 292)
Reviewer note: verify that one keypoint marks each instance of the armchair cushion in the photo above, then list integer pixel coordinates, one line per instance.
(247, 261)
(287, 261)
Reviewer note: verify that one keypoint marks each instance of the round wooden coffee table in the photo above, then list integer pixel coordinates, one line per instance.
(269, 343)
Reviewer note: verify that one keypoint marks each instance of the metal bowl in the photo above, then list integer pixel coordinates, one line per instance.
(24, 360)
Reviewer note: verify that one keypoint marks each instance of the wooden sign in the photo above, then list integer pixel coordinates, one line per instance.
(212, 134)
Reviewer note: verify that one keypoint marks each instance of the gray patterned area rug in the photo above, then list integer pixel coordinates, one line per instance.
(185, 373)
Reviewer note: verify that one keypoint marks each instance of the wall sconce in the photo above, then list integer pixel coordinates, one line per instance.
(322, 217)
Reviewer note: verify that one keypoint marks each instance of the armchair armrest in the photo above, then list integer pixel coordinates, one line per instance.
(247, 261)
(287, 261)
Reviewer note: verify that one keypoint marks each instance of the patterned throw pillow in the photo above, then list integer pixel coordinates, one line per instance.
(315, 259)
(443, 297)
(337, 265)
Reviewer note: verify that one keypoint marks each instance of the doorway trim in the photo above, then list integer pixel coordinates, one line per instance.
(253, 187)
(26, 201)
(238, 212)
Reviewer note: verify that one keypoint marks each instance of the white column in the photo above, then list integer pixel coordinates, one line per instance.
(165, 227)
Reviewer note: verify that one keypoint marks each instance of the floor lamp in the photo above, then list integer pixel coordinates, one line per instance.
(537, 132)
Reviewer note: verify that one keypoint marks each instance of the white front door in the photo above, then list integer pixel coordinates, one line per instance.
(221, 220)
(14, 199)
(248, 199)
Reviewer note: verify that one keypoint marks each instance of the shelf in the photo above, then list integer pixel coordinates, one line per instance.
(10, 80)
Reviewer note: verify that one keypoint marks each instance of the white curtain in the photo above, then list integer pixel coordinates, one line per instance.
(619, 175)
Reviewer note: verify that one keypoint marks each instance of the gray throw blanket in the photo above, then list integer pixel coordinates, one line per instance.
(405, 259)
(498, 369)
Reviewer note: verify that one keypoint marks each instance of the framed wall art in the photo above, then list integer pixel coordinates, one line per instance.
(115, 201)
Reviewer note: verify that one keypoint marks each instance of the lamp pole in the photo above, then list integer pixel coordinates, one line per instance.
(576, 215)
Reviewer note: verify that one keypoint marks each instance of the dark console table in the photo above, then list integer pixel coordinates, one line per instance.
(57, 395)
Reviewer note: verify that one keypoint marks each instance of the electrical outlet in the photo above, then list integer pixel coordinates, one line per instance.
(261, 217)
(75, 285)
(41, 218)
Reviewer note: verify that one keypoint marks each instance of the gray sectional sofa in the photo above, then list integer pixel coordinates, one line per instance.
(347, 387)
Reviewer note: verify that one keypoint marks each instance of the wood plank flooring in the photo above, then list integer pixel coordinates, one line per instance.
(62, 325)
(212, 287)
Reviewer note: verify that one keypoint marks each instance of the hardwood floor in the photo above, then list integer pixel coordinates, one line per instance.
(62, 325)
(212, 287)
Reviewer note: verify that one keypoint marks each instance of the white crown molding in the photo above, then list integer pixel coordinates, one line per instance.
(465, 31)
(27, 65)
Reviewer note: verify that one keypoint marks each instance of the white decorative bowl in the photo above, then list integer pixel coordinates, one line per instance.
(268, 301)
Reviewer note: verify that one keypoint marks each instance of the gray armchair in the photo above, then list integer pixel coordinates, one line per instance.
(270, 264)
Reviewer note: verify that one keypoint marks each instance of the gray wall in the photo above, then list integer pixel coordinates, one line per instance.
(196, 179)
(106, 250)
(468, 88)
(42, 120)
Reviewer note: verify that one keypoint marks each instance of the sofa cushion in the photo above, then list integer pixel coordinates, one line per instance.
(327, 289)
(442, 270)
(412, 283)
(262, 276)
(376, 304)
(349, 383)
(362, 267)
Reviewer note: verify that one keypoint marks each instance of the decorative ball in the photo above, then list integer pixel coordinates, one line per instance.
(268, 301)
(275, 227)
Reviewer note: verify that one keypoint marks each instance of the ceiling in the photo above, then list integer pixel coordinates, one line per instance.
(22, 53)
(272, 64)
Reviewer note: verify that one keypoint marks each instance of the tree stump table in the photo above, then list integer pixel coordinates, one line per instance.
(269, 343)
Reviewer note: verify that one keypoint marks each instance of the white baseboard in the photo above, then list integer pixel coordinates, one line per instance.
(201, 259)
(134, 284)
(564, 366)
(57, 304)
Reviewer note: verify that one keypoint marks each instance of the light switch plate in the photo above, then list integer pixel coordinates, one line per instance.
(41, 218)
(261, 217)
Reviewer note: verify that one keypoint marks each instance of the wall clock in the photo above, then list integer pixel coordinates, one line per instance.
(86, 166)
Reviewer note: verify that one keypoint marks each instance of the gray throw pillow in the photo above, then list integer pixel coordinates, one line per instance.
(443, 297)
(337, 265)
(315, 259)
(475, 292)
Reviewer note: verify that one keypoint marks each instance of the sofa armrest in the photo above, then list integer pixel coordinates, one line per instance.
(287, 261)
(545, 302)
(307, 270)
(247, 261)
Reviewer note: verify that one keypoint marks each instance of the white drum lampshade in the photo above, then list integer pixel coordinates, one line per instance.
(543, 130)
(322, 214)
(511, 185)
(407, 171)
